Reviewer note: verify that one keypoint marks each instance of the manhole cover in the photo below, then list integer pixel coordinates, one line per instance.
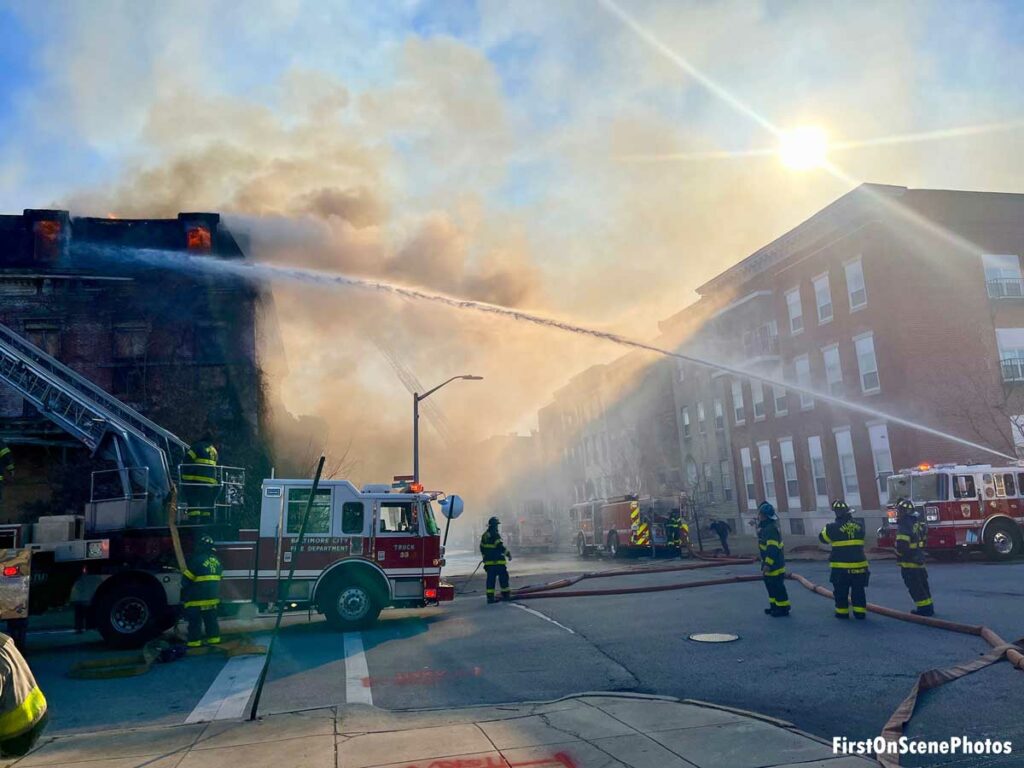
(713, 637)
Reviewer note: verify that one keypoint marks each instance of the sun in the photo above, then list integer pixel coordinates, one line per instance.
(804, 148)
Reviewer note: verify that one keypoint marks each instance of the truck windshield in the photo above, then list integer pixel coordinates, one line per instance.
(428, 519)
(919, 488)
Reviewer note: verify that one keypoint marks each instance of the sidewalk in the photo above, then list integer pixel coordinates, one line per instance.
(594, 730)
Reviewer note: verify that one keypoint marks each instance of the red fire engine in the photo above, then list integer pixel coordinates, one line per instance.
(966, 506)
(362, 551)
(619, 525)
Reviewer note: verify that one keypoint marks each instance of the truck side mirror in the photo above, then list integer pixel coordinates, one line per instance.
(452, 507)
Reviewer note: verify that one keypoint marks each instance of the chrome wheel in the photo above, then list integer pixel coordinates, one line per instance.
(1002, 543)
(353, 603)
(129, 615)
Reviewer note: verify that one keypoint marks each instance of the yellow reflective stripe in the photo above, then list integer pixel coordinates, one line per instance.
(769, 561)
(4, 451)
(188, 575)
(24, 716)
(213, 640)
(902, 537)
(859, 609)
(211, 577)
(194, 643)
(776, 572)
(842, 611)
(909, 565)
(783, 603)
(762, 546)
(770, 542)
(861, 564)
(210, 462)
(923, 603)
(199, 479)
(495, 562)
(825, 537)
(213, 601)
(850, 543)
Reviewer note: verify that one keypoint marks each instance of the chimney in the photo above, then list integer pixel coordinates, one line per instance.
(51, 231)
(200, 229)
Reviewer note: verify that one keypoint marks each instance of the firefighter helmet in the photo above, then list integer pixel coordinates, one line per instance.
(206, 540)
(905, 505)
(493, 522)
(840, 507)
(767, 510)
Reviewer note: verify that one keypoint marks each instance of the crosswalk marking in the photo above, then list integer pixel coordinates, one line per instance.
(357, 674)
(230, 692)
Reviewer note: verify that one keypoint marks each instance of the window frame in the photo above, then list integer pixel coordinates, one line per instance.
(816, 452)
(853, 498)
(749, 482)
(835, 387)
(800, 311)
(806, 401)
(757, 387)
(764, 455)
(792, 500)
(817, 300)
(739, 412)
(882, 484)
(859, 263)
(327, 507)
(869, 336)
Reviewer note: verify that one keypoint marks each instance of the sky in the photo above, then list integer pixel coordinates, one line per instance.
(487, 149)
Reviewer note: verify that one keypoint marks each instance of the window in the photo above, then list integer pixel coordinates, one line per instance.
(789, 472)
(802, 368)
(1017, 429)
(855, 288)
(709, 481)
(130, 342)
(1002, 276)
(352, 517)
(748, 478)
(818, 471)
(833, 370)
(701, 422)
(1011, 352)
(847, 466)
(867, 364)
(767, 474)
(963, 487)
(719, 415)
(398, 517)
(779, 394)
(823, 298)
(210, 342)
(726, 469)
(737, 402)
(691, 472)
(757, 396)
(878, 435)
(681, 370)
(1005, 485)
(795, 310)
(46, 336)
(319, 514)
(685, 412)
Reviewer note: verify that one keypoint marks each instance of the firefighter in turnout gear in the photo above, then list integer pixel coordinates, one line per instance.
(773, 560)
(23, 712)
(6, 465)
(911, 535)
(199, 479)
(496, 557)
(849, 564)
(200, 594)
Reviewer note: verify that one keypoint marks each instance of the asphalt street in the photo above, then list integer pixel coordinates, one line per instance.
(830, 678)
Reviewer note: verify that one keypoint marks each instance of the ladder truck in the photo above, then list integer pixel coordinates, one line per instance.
(114, 564)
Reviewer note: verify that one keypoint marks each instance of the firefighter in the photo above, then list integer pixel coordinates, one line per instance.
(6, 465)
(495, 557)
(849, 563)
(199, 479)
(200, 594)
(721, 529)
(23, 713)
(773, 560)
(911, 535)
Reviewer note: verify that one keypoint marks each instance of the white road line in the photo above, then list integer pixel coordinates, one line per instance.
(357, 674)
(230, 691)
(541, 615)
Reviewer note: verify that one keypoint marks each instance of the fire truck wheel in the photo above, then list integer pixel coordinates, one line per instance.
(1002, 540)
(128, 614)
(350, 605)
(613, 545)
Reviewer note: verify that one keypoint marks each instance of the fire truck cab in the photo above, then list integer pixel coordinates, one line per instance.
(362, 551)
(966, 507)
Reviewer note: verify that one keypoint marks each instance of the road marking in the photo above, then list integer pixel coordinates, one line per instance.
(357, 674)
(541, 615)
(230, 691)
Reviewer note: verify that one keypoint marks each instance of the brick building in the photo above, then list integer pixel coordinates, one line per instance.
(177, 346)
(907, 301)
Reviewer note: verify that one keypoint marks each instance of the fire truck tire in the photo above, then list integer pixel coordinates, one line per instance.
(350, 604)
(129, 614)
(1002, 540)
(613, 545)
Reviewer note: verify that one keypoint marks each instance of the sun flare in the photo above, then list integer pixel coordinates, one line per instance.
(804, 148)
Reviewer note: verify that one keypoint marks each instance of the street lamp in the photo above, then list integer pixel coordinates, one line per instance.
(416, 398)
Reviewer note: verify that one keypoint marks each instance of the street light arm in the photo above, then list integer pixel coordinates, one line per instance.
(429, 392)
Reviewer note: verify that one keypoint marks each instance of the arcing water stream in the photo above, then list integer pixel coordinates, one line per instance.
(270, 273)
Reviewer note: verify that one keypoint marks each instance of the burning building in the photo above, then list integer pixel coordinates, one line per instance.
(179, 347)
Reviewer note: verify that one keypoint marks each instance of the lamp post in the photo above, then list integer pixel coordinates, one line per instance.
(416, 399)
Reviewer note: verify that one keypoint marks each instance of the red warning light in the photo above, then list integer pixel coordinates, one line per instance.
(12, 570)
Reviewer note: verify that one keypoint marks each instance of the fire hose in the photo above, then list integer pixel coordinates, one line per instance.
(900, 718)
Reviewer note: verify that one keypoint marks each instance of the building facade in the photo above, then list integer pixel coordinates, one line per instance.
(178, 346)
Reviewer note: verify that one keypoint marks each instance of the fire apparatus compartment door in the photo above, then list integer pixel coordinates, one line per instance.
(399, 544)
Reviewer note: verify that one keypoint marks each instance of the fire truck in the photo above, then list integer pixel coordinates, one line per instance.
(531, 530)
(966, 507)
(363, 550)
(623, 524)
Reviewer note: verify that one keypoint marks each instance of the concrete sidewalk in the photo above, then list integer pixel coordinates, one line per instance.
(598, 730)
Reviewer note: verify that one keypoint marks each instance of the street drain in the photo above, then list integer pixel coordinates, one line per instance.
(713, 637)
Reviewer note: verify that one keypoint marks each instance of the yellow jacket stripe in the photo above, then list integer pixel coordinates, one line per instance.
(850, 543)
(209, 603)
(24, 716)
(850, 566)
(776, 572)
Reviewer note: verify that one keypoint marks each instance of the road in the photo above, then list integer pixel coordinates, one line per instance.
(827, 677)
